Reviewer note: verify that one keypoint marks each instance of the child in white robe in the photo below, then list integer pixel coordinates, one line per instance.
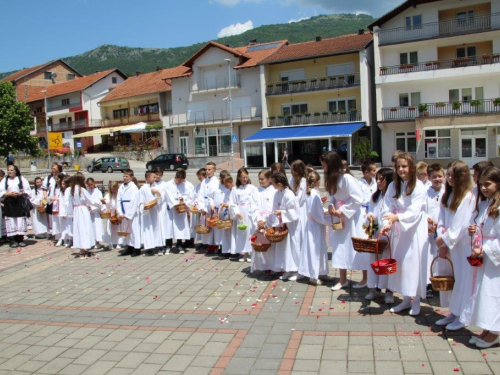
(54, 198)
(404, 215)
(244, 203)
(376, 283)
(284, 212)
(178, 191)
(298, 183)
(95, 211)
(39, 220)
(218, 201)
(195, 217)
(264, 261)
(128, 212)
(111, 201)
(161, 186)
(455, 214)
(226, 212)
(313, 261)
(66, 212)
(206, 199)
(482, 309)
(150, 232)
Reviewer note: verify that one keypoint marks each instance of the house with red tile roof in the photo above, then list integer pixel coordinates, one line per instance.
(72, 106)
(316, 96)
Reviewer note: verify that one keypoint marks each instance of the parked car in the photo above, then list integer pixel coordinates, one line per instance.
(168, 162)
(108, 164)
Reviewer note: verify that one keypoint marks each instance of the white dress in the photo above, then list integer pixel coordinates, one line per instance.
(66, 215)
(219, 197)
(348, 200)
(15, 226)
(314, 251)
(206, 198)
(178, 222)
(408, 239)
(195, 218)
(244, 202)
(161, 186)
(452, 228)
(227, 238)
(110, 235)
(39, 220)
(482, 308)
(54, 196)
(150, 231)
(128, 205)
(301, 196)
(287, 251)
(83, 230)
(264, 261)
(432, 207)
(95, 213)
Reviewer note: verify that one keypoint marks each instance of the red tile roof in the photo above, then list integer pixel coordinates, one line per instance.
(23, 72)
(325, 47)
(148, 83)
(255, 57)
(211, 44)
(74, 85)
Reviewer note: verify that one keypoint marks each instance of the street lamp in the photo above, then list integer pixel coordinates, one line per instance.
(46, 125)
(230, 112)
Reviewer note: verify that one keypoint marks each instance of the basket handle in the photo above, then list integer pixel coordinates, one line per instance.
(128, 225)
(380, 235)
(370, 226)
(449, 260)
(472, 240)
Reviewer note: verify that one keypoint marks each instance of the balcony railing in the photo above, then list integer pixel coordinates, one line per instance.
(215, 116)
(440, 29)
(441, 64)
(323, 118)
(61, 107)
(147, 117)
(472, 107)
(313, 84)
(63, 126)
(215, 83)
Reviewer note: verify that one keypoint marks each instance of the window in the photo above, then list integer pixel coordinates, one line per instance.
(114, 80)
(38, 109)
(437, 144)
(293, 109)
(408, 58)
(462, 17)
(466, 95)
(466, 52)
(414, 22)
(117, 113)
(65, 102)
(406, 141)
(412, 99)
(62, 120)
(145, 109)
(341, 105)
(292, 75)
(47, 75)
(169, 106)
(70, 76)
(184, 133)
(454, 95)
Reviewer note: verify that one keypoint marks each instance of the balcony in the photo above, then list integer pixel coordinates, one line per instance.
(215, 116)
(65, 126)
(313, 84)
(67, 106)
(440, 29)
(442, 109)
(314, 119)
(147, 117)
(441, 64)
(215, 83)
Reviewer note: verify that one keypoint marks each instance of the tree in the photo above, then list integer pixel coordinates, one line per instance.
(363, 151)
(16, 122)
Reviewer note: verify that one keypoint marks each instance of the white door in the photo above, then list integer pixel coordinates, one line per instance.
(183, 145)
(473, 146)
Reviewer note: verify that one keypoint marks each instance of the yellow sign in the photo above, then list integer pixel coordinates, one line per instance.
(55, 141)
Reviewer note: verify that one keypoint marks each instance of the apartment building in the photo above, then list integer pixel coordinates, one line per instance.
(437, 66)
(316, 96)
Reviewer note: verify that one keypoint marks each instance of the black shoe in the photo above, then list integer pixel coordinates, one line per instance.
(136, 253)
(14, 244)
(430, 292)
(226, 255)
(126, 252)
(148, 253)
(22, 244)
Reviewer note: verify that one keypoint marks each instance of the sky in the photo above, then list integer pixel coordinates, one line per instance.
(36, 31)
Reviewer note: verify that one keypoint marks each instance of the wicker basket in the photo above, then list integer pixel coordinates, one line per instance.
(202, 229)
(105, 214)
(151, 204)
(442, 283)
(337, 226)
(180, 208)
(475, 262)
(124, 233)
(114, 220)
(368, 245)
(194, 210)
(385, 266)
(41, 209)
(275, 237)
(212, 221)
(260, 247)
(224, 224)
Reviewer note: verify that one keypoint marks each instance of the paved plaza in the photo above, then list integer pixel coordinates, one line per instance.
(194, 314)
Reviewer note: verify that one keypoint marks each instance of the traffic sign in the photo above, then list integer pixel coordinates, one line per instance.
(55, 141)
(234, 139)
(78, 144)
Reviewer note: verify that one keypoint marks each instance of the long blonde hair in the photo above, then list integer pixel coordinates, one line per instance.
(462, 185)
(312, 180)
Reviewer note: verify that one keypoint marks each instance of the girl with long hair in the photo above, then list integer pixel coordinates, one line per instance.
(111, 201)
(39, 220)
(277, 168)
(457, 206)
(482, 309)
(284, 212)
(346, 198)
(55, 199)
(298, 182)
(376, 283)
(65, 212)
(313, 261)
(95, 210)
(404, 216)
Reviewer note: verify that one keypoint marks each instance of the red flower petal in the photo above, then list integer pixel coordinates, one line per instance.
(456, 369)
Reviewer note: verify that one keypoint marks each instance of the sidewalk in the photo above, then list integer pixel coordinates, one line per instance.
(192, 314)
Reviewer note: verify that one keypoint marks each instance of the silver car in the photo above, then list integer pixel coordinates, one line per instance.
(108, 164)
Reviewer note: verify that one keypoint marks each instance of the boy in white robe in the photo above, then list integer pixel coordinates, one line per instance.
(219, 196)
(40, 225)
(368, 182)
(161, 186)
(201, 174)
(128, 209)
(95, 211)
(179, 191)
(150, 231)
(206, 203)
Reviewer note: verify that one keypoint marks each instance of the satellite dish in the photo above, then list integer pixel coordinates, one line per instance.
(53, 75)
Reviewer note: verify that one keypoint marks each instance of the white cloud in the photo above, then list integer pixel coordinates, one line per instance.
(298, 20)
(232, 3)
(235, 29)
(339, 6)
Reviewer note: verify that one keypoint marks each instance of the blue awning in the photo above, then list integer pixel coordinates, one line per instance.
(305, 132)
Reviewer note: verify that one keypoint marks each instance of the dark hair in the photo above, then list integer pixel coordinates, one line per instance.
(202, 171)
(367, 165)
(60, 177)
(158, 170)
(412, 182)
(240, 171)
(90, 179)
(2, 173)
(34, 183)
(148, 174)
(67, 182)
(136, 182)
(492, 174)
(312, 180)
(298, 168)
(345, 167)
(212, 164)
(388, 177)
(277, 167)
(461, 175)
(77, 180)
(227, 179)
(129, 172)
(436, 167)
(266, 173)
(480, 166)
(223, 174)
(334, 170)
(180, 173)
(280, 178)
(16, 169)
(59, 167)
(395, 156)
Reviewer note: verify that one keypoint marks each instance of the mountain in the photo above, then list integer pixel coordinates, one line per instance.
(130, 60)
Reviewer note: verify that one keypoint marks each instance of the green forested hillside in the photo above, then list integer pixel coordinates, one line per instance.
(129, 59)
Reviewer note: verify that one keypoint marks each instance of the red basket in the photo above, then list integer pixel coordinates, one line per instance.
(475, 262)
(385, 266)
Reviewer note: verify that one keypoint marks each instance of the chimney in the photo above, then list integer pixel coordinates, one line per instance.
(96, 72)
(158, 68)
(318, 39)
(253, 41)
(137, 74)
(227, 45)
(361, 31)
